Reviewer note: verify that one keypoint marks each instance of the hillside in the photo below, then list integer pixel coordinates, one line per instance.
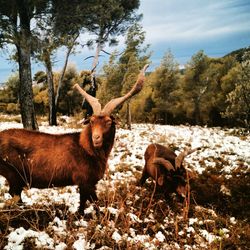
(238, 54)
(132, 217)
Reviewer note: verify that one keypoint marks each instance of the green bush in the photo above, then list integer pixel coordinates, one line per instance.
(12, 108)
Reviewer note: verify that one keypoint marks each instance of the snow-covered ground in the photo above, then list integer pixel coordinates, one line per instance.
(144, 229)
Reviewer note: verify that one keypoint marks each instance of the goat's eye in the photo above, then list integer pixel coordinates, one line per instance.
(108, 123)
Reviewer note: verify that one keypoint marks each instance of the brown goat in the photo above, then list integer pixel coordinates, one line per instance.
(166, 168)
(35, 159)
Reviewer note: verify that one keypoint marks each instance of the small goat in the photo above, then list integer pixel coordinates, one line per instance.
(35, 159)
(166, 168)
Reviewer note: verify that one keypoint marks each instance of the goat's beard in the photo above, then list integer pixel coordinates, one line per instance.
(97, 144)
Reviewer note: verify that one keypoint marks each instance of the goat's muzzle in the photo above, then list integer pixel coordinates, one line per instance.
(97, 140)
(100, 125)
(181, 190)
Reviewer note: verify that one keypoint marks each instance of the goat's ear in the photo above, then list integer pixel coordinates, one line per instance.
(160, 180)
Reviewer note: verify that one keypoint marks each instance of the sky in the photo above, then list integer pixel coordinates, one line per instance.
(182, 26)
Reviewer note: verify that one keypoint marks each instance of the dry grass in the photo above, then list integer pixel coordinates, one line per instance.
(133, 211)
(131, 217)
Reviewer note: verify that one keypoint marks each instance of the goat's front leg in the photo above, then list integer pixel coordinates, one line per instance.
(86, 194)
(92, 195)
(93, 198)
(143, 177)
(83, 198)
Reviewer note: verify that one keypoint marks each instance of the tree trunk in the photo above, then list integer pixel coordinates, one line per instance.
(62, 76)
(128, 118)
(51, 92)
(70, 47)
(197, 101)
(25, 91)
(197, 113)
(96, 57)
(95, 63)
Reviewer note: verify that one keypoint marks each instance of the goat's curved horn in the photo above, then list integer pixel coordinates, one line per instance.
(179, 159)
(111, 105)
(94, 103)
(161, 161)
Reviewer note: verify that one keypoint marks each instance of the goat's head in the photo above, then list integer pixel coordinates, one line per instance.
(100, 125)
(101, 121)
(176, 176)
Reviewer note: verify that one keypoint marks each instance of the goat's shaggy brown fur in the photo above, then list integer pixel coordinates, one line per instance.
(161, 165)
(34, 159)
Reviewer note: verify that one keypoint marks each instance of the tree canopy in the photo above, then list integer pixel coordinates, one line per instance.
(43, 26)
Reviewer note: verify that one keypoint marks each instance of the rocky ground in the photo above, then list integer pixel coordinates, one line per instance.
(216, 215)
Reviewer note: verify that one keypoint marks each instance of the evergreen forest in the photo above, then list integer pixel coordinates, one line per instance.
(205, 91)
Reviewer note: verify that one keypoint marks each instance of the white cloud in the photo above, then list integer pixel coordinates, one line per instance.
(186, 20)
(184, 26)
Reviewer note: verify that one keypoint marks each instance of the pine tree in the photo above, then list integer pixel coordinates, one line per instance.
(128, 81)
(163, 82)
(239, 98)
(133, 59)
(194, 86)
(121, 73)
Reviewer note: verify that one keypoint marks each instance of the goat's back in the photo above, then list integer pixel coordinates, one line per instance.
(23, 141)
(39, 158)
(157, 150)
